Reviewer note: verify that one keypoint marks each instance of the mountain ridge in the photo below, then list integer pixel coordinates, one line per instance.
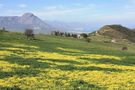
(27, 20)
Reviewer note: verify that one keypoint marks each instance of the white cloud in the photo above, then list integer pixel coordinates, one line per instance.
(90, 12)
(50, 7)
(22, 5)
(53, 8)
(54, 11)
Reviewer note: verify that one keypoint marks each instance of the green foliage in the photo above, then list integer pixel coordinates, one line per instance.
(3, 30)
(88, 40)
(29, 33)
(10, 88)
(64, 34)
(82, 85)
(84, 35)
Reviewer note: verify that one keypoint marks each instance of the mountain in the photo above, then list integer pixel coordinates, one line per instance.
(117, 32)
(28, 20)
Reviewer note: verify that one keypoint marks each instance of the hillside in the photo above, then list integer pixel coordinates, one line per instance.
(55, 63)
(118, 32)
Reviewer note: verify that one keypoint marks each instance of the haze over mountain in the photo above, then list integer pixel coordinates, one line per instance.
(30, 21)
(74, 27)
(26, 21)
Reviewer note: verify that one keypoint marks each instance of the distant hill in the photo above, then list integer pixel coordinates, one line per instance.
(117, 32)
(28, 20)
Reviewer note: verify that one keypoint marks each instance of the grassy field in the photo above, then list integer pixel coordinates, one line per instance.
(58, 63)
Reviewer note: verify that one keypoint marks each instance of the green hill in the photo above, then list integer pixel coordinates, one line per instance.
(118, 32)
(58, 63)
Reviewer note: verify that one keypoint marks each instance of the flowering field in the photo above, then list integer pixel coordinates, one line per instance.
(55, 63)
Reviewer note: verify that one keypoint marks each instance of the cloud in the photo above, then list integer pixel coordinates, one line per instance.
(56, 12)
(22, 5)
(93, 12)
(54, 8)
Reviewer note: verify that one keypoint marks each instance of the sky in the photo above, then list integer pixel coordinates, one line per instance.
(89, 11)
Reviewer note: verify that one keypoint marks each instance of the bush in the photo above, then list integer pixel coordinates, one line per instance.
(29, 33)
(84, 35)
(82, 85)
(124, 48)
(3, 30)
(88, 40)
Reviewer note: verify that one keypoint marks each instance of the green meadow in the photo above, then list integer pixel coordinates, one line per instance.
(60, 63)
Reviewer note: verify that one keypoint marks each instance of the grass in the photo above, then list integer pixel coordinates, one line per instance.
(58, 63)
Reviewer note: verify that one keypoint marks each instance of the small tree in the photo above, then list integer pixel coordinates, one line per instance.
(74, 35)
(84, 35)
(88, 40)
(68, 35)
(29, 34)
(3, 29)
(124, 48)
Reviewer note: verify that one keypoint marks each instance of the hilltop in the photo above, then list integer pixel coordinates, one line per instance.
(117, 32)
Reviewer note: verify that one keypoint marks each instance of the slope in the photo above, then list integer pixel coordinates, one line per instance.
(64, 63)
(118, 32)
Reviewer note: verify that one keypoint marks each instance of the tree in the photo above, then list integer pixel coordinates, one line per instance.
(124, 48)
(29, 33)
(74, 35)
(3, 29)
(88, 40)
(84, 35)
(69, 35)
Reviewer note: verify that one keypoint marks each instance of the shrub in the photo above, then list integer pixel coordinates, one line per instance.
(88, 40)
(124, 48)
(3, 30)
(84, 35)
(29, 34)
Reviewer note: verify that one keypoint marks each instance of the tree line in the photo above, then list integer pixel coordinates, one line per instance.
(72, 35)
(64, 34)
(67, 34)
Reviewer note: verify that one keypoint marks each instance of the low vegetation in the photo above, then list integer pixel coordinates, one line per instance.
(64, 34)
(118, 32)
(29, 33)
(60, 63)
